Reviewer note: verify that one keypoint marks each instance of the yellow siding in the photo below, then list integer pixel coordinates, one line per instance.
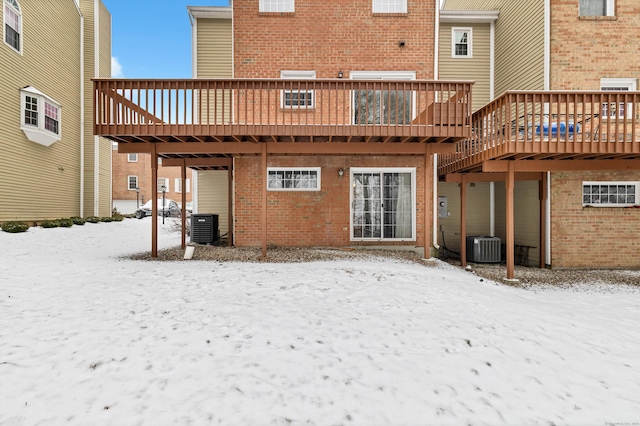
(519, 41)
(213, 196)
(39, 182)
(477, 68)
(87, 8)
(104, 57)
(214, 50)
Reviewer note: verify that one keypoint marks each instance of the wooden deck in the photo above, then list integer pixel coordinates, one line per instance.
(213, 115)
(539, 129)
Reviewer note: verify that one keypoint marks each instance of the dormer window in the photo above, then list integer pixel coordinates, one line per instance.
(13, 25)
(40, 118)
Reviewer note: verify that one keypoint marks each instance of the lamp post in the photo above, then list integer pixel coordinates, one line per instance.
(137, 198)
(164, 191)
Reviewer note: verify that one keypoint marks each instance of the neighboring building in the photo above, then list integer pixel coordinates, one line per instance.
(52, 164)
(132, 181)
(564, 46)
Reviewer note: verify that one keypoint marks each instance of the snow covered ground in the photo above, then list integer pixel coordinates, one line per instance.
(90, 338)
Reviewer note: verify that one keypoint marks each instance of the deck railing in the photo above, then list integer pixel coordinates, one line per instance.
(541, 124)
(283, 107)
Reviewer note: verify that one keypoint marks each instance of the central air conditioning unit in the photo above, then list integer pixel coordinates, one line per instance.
(204, 228)
(483, 250)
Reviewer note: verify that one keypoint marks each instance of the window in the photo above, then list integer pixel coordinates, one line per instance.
(389, 6)
(597, 8)
(297, 94)
(40, 116)
(461, 43)
(383, 204)
(277, 6)
(178, 185)
(613, 109)
(163, 182)
(610, 194)
(293, 179)
(383, 106)
(132, 158)
(13, 25)
(133, 182)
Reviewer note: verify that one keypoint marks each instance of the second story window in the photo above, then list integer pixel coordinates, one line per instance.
(132, 158)
(597, 8)
(297, 94)
(40, 119)
(276, 6)
(133, 182)
(461, 43)
(13, 25)
(389, 6)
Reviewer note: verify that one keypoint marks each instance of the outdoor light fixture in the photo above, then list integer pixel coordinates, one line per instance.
(340, 74)
(401, 43)
(164, 191)
(137, 197)
(340, 172)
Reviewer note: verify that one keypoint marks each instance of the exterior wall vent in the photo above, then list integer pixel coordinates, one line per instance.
(483, 249)
(204, 228)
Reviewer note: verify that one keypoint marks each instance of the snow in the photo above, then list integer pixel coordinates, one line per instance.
(88, 336)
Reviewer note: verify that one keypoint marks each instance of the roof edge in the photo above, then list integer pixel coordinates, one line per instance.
(469, 16)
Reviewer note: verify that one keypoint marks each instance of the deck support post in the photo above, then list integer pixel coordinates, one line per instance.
(543, 195)
(154, 204)
(463, 220)
(510, 243)
(183, 214)
(428, 174)
(230, 204)
(264, 199)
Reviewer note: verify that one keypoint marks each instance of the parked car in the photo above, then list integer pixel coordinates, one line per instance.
(170, 209)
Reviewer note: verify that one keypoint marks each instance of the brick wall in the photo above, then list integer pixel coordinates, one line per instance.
(122, 168)
(340, 35)
(313, 218)
(592, 237)
(583, 50)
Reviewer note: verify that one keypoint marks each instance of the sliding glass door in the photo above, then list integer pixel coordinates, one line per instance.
(383, 204)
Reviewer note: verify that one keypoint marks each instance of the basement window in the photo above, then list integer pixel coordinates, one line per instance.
(597, 8)
(293, 179)
(40, 116)
(610, 194)
(276, 6)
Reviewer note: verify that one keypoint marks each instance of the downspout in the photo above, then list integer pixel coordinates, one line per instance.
(434, 213)
(194, 74)
(436, 38)
(492, 71)
(547, 86)
(96, 139)
(82, 106)
(492, 209)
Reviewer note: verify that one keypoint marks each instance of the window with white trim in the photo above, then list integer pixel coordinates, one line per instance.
(613, 109)
(610, 194)
(40, 116)
(297, 94)
(293, 179)
(177, 184)
(163, 182)
(132, 182)
(12, 24)
(461, 46)
(277, 6)
(389, 6)
(597, 8)
(132, 158)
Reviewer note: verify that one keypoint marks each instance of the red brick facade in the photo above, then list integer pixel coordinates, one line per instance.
(311, 218)
(592, 237)
(333, 36)
(325, 37)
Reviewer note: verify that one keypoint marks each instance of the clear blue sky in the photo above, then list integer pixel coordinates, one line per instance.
(152, 38)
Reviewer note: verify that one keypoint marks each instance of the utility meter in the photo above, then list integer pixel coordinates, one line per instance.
(443, 210)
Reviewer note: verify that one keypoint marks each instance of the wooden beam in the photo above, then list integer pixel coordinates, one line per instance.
(154, 203)
(490, 177)
(230, 205)
(183, 214)
(510, 243)
(542, 196)
(463, 222)
(198, 162)
(264, 199)
(493, 166)
(191, 148)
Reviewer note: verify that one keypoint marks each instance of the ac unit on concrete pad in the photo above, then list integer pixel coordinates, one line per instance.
(204, 228)
(483, 249)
